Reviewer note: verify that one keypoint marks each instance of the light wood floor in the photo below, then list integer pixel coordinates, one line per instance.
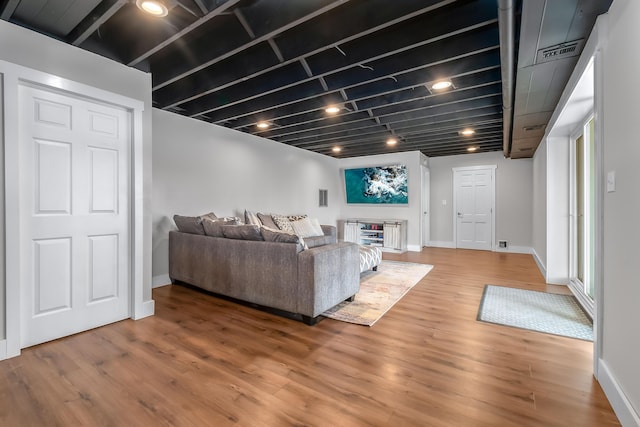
(203, 361)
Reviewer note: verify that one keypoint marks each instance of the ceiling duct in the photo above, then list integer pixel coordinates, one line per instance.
(506, 22)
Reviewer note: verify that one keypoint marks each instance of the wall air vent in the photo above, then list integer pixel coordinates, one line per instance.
(560, 51)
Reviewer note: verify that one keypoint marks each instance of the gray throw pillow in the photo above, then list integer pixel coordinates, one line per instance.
(251, 218)
(242, 232)
(267, 221)
(271, 235)
(189, 224)
(213, 228)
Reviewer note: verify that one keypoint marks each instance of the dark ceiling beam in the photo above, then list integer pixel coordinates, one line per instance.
(85, 33)
(490, 145)
(350, 66)
(252, 43)
(243, 21)
(215, 12)
(276, 134)
(202, 6)
(406, 71)
(332, 45)
(9, 8)
(276, 118)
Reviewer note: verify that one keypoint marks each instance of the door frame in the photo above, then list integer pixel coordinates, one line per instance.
(587, 304)
(493, 201)
(425, 196)
(12, 76)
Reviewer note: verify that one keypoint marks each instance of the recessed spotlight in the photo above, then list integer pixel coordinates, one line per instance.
(441, 85)
(263, 125)
(153, 7)
(467, 132)
(336, 149)
(472, 149)
(392, 141)
(332, 109)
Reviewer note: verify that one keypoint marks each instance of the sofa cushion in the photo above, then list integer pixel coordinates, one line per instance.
(189, 224)
(250, 218)
(242, 232)
(273, 235)
(305, 228)
(213, 227)
(282, 222)
(313, 242)
(267, 221)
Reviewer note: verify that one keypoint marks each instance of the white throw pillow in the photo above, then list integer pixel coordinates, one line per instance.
(304, 228)
(316, 226)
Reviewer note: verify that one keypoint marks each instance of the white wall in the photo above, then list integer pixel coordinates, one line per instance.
(621, 310)
(557, 262)
(200, 167)
(30, 49)
(411, 211)
(514, 185)
(539, 212)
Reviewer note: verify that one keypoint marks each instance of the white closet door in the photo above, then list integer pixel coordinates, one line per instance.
(475, 199)
(74, 201)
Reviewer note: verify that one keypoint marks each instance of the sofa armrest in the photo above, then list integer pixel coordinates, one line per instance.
(327, 275)
(329, 230)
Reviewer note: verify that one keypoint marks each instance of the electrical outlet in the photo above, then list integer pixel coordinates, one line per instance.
(502, 244)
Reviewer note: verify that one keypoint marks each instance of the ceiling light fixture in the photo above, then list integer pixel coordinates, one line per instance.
(153, 7)
(336, 149)
(332, 109)
(263, 125)
(441, 84)
(392, 141)
(467, 132)
(472, 149)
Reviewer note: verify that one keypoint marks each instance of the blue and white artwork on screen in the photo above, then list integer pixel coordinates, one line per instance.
(379, 184)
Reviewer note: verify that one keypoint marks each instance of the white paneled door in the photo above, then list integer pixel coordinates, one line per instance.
(74, 202)
(474, 206)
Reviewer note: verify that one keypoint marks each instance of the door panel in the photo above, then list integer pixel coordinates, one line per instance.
(474, 196)
(74, 182)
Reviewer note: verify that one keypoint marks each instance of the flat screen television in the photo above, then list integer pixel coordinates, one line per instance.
(377, 185)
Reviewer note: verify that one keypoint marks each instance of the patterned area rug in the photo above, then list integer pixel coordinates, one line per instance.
(537, 311)
(379, 291)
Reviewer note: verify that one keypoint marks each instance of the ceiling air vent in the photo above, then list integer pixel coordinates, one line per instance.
(560, 51)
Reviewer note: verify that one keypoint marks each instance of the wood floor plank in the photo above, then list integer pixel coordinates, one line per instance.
(203, 360)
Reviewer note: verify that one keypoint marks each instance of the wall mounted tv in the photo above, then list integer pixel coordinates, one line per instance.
(378, 184)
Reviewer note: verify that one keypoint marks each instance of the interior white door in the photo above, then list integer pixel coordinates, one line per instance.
(74, 202)
(474, 205)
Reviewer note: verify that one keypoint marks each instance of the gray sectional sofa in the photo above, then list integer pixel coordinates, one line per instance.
(273, 274)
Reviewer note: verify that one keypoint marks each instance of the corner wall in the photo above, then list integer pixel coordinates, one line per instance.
(411, 212)
(621, 291)
(200, 167)
(539, 224)
(30, 49)
(514, 185)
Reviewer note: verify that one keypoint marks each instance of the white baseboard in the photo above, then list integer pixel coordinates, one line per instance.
(161, 280)
(148, 308)
(440, 244)
(619, 402)
(538, 261)
(3, 350)
(414, 248)
(515, 249)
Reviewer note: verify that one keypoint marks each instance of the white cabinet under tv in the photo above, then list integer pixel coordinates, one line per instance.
(388, 234)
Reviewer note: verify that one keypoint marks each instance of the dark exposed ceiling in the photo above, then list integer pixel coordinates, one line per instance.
(238, 62)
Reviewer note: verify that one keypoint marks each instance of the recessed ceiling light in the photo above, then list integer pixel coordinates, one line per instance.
(336, 149)
(467, 132)
(263, 125)
(441, 84)
(153, 7)
(332, 109)
(472, 149)
(392, 141)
